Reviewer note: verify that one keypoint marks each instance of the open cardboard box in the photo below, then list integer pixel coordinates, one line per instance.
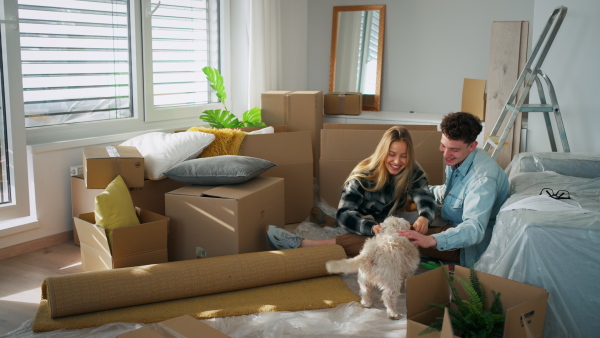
(223, 220)
(134, 245)
(151, 197)
(184, 326)
(344, 145)
(524, 305)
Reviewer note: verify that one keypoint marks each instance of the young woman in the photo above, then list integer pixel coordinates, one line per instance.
(376, 188)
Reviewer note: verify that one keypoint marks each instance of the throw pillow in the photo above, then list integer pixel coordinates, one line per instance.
(219, 170)
(114, 208)
(266, 130)
(163, 151)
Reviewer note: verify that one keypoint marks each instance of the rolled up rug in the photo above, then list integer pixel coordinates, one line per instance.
(293, 275)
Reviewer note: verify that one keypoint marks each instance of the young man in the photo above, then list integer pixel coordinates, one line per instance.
(475, 189)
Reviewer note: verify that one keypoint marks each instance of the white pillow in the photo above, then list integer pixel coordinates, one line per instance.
(163, 151)
(266, 130)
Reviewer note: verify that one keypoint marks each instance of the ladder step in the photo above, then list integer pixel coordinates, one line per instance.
(533, 107)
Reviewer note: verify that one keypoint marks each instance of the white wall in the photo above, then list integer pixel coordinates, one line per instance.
(430, 47)
(573, 65)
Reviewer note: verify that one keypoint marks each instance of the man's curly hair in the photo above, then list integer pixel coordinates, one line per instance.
(461, 126)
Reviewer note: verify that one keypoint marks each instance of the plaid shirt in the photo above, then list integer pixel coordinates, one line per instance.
(356, 203)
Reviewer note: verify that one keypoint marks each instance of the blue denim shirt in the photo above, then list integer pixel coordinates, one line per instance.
(471, 198)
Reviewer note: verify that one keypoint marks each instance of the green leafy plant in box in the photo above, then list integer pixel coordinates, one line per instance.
(218, 118)
(470, 319)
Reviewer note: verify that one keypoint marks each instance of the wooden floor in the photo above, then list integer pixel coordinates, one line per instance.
(22, 276)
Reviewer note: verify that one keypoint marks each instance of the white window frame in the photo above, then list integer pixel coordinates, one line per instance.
(19, 207)
(140, 122)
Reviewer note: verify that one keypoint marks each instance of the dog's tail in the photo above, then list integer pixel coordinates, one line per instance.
(349, 265)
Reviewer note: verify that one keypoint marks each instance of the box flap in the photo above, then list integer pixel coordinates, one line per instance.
(191, 190)
(280, 148)
(109, 151)
(357, 126)
(423, 289)
(242, 190)
(91, 234)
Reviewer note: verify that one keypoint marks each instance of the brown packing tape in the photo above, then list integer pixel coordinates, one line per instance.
(341, 102)
(111, 289)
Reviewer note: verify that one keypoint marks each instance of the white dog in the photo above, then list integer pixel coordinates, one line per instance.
(385, 261)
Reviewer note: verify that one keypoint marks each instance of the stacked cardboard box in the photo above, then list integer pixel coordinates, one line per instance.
(223, 220)
(102, 164)
(300, 111)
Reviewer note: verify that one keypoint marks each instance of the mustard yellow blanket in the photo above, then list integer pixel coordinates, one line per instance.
(227, 141)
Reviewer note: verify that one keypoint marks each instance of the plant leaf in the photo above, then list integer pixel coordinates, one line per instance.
(220, 119)
(216, 83)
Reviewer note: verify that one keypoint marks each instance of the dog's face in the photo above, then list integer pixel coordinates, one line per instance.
(393, 224)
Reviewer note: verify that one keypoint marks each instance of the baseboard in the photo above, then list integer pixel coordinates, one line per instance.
(36, 244)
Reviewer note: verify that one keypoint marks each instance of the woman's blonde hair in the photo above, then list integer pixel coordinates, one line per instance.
(373, 168)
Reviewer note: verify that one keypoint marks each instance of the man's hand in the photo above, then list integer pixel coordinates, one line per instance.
(421, 225)
(376, 229)
(417, 238)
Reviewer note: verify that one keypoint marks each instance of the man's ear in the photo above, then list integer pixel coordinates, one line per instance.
(473, 145)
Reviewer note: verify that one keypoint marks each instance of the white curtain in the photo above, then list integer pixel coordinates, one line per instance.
(264, 44)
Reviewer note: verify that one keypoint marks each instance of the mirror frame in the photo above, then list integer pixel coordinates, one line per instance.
(376, 106)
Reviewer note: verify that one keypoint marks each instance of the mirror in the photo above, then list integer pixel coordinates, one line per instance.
(357, 52)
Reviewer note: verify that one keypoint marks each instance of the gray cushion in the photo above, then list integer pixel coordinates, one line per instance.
(219, 170)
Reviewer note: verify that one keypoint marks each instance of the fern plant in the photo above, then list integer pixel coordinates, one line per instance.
(470, 319)
(218, 118)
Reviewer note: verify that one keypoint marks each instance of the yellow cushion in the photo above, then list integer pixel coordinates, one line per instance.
(114, 208)
(227, 141)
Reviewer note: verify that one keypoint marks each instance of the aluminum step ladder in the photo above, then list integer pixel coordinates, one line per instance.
(530, 74)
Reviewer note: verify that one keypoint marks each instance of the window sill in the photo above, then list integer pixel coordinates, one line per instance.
(16, 225)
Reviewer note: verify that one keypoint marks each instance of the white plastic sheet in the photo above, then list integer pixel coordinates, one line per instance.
(554, 249)
(345, 320)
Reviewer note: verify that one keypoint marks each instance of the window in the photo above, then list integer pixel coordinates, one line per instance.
(14, 199)
(183, 38)
(78, 61)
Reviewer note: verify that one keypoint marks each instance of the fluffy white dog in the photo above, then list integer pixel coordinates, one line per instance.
(385, 261)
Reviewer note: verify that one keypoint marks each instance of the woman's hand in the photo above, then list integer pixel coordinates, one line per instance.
(418, 238)
(421, 225)
(376, 229)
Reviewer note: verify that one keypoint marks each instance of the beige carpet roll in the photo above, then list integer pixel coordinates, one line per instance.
(111, 289)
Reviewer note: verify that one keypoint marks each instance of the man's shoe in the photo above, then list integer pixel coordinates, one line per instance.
(280, 239)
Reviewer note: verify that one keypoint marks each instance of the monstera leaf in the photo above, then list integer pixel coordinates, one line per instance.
(252, 118)
(218, 118)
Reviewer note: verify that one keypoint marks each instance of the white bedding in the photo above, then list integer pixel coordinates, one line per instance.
(554, 249)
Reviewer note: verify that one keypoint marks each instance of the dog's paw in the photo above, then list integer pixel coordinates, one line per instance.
(366, 303)
(394, 316)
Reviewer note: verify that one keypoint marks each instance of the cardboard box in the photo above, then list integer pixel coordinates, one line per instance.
(343, 148)
(223, 220)
(474, 97)
(184, 326)
(300, 111)
(348, 103)
(292, 152)
(519, 301)
(102, 164)
(135, 245)
(151, 197)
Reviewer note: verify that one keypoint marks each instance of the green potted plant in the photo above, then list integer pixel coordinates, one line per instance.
(469, 318)
(218, 118)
